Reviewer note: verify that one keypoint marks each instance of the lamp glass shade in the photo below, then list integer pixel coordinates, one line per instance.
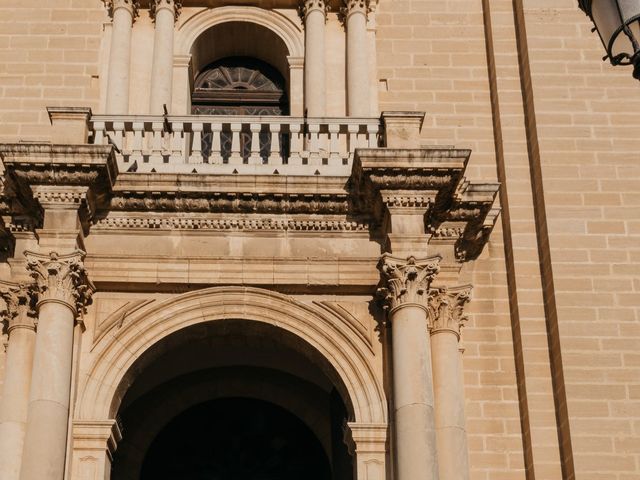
(610, 18)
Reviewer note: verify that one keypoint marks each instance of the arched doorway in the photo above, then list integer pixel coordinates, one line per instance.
(239, 439)
(133, 375)
(233, 400)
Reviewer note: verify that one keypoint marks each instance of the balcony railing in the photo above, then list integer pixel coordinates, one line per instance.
(235, 144)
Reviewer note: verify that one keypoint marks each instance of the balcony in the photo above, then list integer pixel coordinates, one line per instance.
(259, 145)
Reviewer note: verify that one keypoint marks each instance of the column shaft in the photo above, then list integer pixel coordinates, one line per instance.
(449, 402)
(416, 454)
(119, 61)
(15, 397)
(162, 68)
(358, 102)
(48, 418)
(314, 68)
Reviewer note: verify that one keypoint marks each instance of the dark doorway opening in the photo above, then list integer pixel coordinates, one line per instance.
(236, 439)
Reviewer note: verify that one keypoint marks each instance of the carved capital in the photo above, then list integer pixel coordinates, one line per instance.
(132, 6)
(356, 6)
(175, 6)
(446, 309)
(62, 279)
(19, 311)
(308, 6)
(406, 281)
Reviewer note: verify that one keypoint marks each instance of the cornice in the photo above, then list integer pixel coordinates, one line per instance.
(388, 181)
(42, 175)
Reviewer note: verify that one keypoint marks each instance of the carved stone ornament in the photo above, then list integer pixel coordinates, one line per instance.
(132, 6)
(406, 281)
(356, 6)
(19, 311)
(174, 5)
(307, 6)
(61, 278)
(446, 309)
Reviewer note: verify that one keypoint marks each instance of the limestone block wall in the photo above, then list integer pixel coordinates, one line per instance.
(587, 124)
(49, 55)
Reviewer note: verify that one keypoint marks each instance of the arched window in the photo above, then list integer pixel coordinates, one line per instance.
(239, 86)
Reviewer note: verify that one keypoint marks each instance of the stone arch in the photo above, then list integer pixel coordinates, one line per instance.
(291, 33)
(115, 354)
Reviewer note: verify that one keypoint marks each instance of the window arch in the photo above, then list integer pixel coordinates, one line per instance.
(239, 86)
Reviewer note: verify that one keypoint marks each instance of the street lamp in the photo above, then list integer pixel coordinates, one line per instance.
(618, 24)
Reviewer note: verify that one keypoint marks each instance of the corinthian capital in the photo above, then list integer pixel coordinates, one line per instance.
(308, 6)
(19, 311)
(61, 278)
(175, 6)
(446, 309)
(356, 6)
(407, 281)
(132, 6)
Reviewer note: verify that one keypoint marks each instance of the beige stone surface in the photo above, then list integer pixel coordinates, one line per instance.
(550, 366)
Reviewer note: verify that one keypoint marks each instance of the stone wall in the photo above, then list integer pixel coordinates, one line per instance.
(49, 54)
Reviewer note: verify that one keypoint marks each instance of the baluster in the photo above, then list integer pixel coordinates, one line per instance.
(118, 135)
(157, 141)
(275, 155)
(372, 134)
(334, 144)
(99, 133)
(176, 143)
(255, 158)
(216, 144)
(137, 135)
(236, 156)
(313, 147)
(196, 144)
(352, 139)
(295, 157)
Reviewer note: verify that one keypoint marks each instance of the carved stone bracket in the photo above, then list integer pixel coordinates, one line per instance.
(45, 176)
(174, 5)
(19, 311)
(446, 309)
(406, 281)
(429, 182)
(62, 279)
(133, 6)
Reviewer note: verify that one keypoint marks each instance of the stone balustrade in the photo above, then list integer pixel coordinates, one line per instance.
(235, 144)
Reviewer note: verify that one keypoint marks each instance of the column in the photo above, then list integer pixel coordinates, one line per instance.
(446, 318)
(358, 102)
(63, 293)
(405, 292)
(19, 316)
(315, 16)
(123, 13)
(165, 13)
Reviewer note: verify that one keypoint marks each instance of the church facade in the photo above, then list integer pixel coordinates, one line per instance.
(322, 239)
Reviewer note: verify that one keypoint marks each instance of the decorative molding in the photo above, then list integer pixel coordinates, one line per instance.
(431, 179)
(231, 224)
(20, 302)
(446, 309)
(57, 197)
(174, 5)
(62, 279)
(406, 281)
(231, 202)
(132, 6)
